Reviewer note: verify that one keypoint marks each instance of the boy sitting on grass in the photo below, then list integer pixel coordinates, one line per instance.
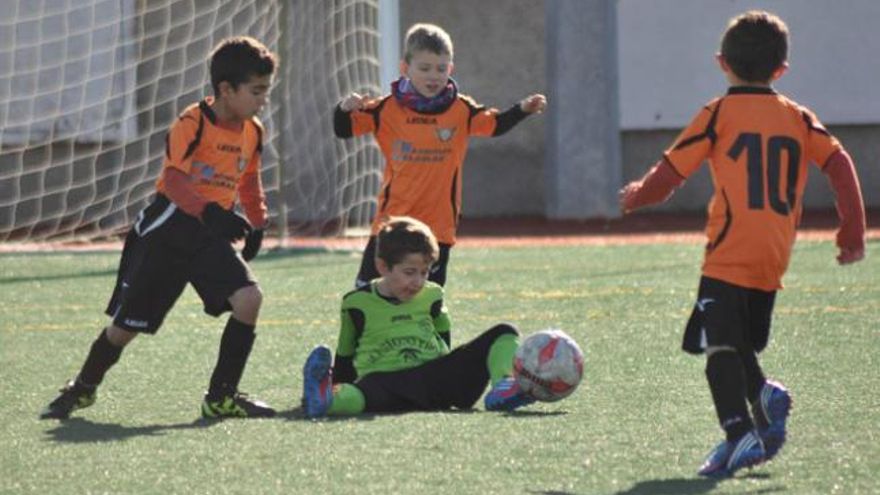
(393, 353)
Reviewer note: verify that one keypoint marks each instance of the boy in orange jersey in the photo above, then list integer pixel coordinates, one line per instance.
(758, 144)
(423, 127)
(185, 235)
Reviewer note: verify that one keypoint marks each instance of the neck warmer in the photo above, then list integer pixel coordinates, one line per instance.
(406, 94)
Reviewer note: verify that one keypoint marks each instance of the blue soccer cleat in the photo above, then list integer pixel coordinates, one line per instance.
(729, 457)
(775, 403)
(318, 382)
(506, 396)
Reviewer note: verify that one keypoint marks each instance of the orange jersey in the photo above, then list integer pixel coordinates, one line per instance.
(220, 163)
(424, 154)
(758, 144)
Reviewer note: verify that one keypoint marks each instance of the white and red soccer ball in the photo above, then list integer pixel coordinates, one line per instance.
(548, 365)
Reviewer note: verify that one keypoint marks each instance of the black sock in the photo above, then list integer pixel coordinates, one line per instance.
(755, 380)
(724, 370)
(754, 375)
(235, 347)
(102, 356)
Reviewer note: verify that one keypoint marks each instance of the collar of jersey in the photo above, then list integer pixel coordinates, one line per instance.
(750, 90)
(208, 112)
(391, 300)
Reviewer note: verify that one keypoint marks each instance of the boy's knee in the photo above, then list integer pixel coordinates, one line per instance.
(503, 329)
(247, 298)
(119, 337)
(720, 361)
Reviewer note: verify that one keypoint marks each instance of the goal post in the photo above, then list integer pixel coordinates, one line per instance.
(89, 88)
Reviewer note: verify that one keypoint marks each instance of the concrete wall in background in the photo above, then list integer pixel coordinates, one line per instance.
(668, 68)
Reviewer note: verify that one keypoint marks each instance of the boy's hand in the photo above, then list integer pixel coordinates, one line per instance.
(533, 103)
(252, 244)
(226, 224)
(848, 255)
(626, 196)
(354, 101)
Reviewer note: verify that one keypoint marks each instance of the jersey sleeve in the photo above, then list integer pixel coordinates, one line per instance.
(181, 192)
(695, 142)
(820, 145)
(850, 204)
(366, 120)
(481, 120)
(506, 120)
(181, 141)
(250, 186)
(442, 323)
(347, 342)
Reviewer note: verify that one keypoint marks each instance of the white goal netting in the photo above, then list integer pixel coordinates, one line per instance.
(88, 89)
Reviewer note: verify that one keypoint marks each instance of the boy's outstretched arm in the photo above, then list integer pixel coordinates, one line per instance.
(656, 186)
(342, 119)
(841, 174)
(506, 120)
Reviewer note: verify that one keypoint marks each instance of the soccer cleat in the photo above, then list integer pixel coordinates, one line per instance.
(318, 382)
(729, 457)
(506, 396)
(775, 404)
(73, 396)
(237, 405)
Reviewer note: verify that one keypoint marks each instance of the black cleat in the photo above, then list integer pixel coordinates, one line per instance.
(237, 405)
(74, 395)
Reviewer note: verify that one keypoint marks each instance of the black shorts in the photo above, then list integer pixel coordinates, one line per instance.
(164, 250)
(457, 379)
(368, 269)
(729, 315)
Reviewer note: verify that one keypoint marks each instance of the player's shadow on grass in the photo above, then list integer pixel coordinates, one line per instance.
(689, 486)
(297, 414)
(529, 413)
(676, 486)
(79, 430)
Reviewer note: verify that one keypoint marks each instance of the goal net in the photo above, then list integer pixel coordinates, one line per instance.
(89, 88)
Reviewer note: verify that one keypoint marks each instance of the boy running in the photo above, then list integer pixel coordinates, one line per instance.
(758, 143)
(185, 235)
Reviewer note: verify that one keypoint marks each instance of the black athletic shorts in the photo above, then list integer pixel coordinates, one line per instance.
(729, 315)
(164, 250)
(457, 379)
(368, 269)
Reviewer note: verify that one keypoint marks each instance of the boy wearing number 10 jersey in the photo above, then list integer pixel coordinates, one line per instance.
(758, 144)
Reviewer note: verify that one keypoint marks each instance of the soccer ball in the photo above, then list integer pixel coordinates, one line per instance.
(548, 365)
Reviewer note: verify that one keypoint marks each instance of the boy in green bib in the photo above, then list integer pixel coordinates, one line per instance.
(393, 353)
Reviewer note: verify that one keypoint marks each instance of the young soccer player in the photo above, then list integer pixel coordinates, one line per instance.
(185, 235)
(757, 143)
(393, 353)
(423, 127)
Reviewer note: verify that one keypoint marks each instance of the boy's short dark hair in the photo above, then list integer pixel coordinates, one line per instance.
(426, 37)
(754, 45)
(237, 59)
(400, 236)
